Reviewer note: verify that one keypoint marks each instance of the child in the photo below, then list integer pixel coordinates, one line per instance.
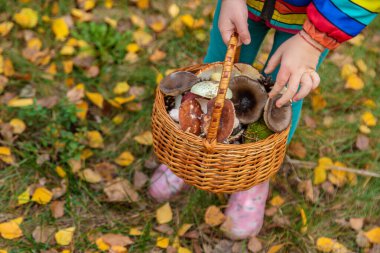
(305, 31)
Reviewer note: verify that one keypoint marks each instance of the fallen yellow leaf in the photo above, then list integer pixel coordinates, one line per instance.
(90, 176)
(86, 153)
(135, 232)
(34, 43)
(82, 108)
(326, 244)
(118, 119)
(142, 38)
(67, 50)
(68, 66)
(143, 4)
(20, 102)
(318, 102)
(81, 15)
(64, 236)
(364, 129)
(42, 196)
(95, 98)
(60, 29)
(18, 125)
(8, 68)
(275, 248)
(89, 5)
(145, 138)
(125, 158)
(26, 18)
(123, 100)
(164, 214)
(118, 249)
(369, 103)
(137, 21)
(132, 48)
(121, 87)
(188, 20)
(319, 175)
(108, 4)
(337, 177)
(162, 242)
(60, 171)
(368, 119)
(361, 65)
(347, 70)
(184, 250)
(24, 197)
(52, 69)
(11, 229)
(173, 10)
(5, 151)
(5, 28)
(111, 22)
(183, 229)
(95, 139)
(277, 201)
(101, 244)
(159, 77)
(354, 82)
(1, 63)
(373, 235)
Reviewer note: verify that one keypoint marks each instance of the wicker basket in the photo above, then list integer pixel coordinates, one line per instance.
(206, 164)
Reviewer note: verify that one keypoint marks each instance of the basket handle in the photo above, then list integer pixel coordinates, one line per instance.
(232, 51)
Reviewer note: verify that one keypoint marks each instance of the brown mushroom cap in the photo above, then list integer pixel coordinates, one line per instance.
(226, 124)
(178, 82)
(277, 119)
(248, 70)
(189, 95)
(249, 98)
(190, 114)
(206, 73)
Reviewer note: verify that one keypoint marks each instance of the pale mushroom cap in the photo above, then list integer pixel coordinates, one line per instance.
(178, 82)
(214, 71)
(208, 89)
(248, 70)
(277, 119)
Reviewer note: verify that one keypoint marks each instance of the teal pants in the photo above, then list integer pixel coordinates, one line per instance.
(258, 30)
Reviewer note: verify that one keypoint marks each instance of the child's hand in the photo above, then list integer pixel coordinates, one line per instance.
(234, 17)
(298, 60)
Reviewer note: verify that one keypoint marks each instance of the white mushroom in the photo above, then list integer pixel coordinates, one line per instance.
(174, 114)
(209, 89)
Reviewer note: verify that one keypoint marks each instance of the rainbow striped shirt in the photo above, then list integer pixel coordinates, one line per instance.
(330, 22)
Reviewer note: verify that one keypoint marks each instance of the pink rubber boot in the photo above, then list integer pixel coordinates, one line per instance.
(164, 184)
(245, 212)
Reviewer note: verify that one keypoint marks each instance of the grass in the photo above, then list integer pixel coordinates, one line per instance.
(85, 205)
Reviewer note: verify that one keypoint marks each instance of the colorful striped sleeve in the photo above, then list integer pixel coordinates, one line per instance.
(331, 22)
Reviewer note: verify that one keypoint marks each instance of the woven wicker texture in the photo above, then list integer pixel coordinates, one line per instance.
(206, 164)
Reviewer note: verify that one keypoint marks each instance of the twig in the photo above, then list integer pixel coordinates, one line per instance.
(312, 165)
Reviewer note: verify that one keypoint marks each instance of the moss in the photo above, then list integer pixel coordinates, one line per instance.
(257, 131)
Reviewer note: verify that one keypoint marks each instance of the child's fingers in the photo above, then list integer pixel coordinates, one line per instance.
(315, 78)
(293, 84)
(306, 86)
(273, 62)
(242, 29)
(282, 78)
(226, 29)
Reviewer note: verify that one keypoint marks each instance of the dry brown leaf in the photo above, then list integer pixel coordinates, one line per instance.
(356, 223)
(106, 170)
(157, 56)
(76, 94)
(362, 142)
(119, 190)
(90, 176)
(157, 23)
(214, 216)
(43, 234)
(164, 228)
(254, 245)
(145, 138)
(361, 240)
(297, 149)
(306, 187)
(139, 179)
(57, 209)
(117, 240)
(48, 102)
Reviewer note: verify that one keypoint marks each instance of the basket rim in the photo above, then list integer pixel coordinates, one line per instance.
(173, 124)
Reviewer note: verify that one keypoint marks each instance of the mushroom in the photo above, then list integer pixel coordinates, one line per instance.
(190, 114)
(178, 82)
(214, 72)
(203, 102)
(277, 119)
(257, 131)
(249, 99)
(189, 95)
(208, 89)
(226, 124)
(248, 70)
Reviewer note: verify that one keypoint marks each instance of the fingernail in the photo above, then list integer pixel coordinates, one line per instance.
(278, 105)
(247, 41)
